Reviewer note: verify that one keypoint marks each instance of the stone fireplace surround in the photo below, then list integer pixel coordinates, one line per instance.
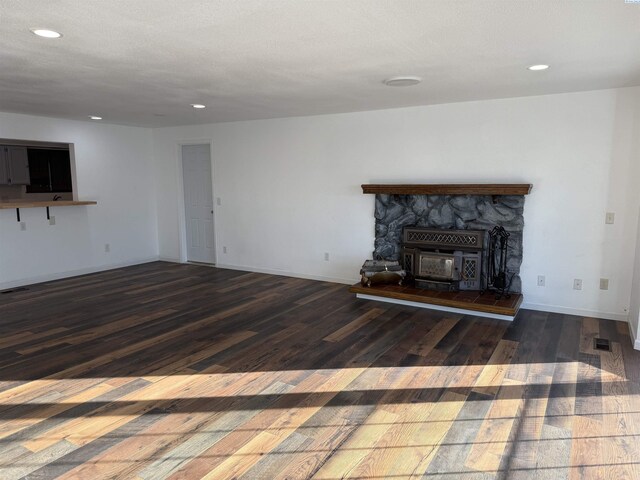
(475, 207)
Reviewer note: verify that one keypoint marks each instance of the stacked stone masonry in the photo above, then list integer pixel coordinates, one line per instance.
(463, 212)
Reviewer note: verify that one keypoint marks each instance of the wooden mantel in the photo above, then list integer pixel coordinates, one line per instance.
(450, 189)
(50, 203)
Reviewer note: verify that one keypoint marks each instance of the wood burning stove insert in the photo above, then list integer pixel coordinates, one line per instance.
(448, 260)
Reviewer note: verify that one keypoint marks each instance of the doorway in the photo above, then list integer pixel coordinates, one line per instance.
(198, 203)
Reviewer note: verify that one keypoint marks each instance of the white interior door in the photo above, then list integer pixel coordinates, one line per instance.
(198, 203)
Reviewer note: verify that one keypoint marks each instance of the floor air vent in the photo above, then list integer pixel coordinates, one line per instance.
(601, 344)
(13, 290)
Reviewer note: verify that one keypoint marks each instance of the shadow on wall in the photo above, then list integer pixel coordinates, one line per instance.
(622, 192)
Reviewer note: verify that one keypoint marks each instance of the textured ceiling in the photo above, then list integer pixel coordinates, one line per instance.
(143, 62)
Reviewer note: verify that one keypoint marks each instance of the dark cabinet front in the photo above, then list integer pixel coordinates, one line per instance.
(50, 170)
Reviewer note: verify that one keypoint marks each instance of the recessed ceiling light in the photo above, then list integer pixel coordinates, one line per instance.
(537, 68)
(405, 81)
(95, 117)
(43, 32)
(198, 105)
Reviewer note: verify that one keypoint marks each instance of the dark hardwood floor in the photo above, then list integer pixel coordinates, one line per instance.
(185, 372)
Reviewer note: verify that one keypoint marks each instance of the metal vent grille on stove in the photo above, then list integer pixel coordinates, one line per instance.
(445, 239)
(470, 269)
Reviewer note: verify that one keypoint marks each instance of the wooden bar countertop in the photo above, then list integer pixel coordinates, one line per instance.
(43, 204)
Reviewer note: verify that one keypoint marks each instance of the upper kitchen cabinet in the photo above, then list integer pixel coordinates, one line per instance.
(14, 166)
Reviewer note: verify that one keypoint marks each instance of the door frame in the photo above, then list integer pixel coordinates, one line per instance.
(182, 226)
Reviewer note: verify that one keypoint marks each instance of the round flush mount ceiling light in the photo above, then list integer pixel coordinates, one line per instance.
(46, 33)
(198, 105)
(95, 117)
(404, 81)
(537, 68)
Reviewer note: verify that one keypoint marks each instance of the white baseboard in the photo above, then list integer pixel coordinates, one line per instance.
(621, 317)
(322, 278)
(409, 303)
(169, 259)
(74, 273)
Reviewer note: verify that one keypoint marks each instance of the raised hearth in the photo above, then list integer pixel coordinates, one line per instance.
(463, 302)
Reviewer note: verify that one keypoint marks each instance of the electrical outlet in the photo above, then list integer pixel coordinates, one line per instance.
(326, 256)
(577, 284)
(218, 201)
(610, 218)
(541, 280)
(23, 226)
(224, 249)
(107, 248)
(52, 220)
(604, 284)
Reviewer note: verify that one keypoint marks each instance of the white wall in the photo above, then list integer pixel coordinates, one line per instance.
(114, 166)
(290, 188)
